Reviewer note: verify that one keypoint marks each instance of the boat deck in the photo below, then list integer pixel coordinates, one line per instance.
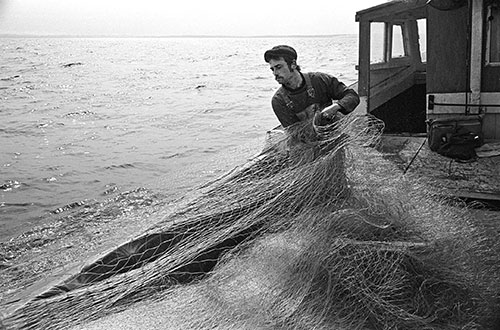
(478, 179)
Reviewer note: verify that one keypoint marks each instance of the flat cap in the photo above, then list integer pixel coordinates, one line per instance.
(280, 51)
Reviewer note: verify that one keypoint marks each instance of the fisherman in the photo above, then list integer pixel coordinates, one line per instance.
(303, 95)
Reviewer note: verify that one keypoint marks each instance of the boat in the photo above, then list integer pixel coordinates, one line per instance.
(427, 68)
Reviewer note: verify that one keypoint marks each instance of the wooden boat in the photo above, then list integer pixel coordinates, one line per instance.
(424, 61)
(420, 60)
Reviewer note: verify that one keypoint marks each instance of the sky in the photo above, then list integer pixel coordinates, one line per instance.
(181, 17)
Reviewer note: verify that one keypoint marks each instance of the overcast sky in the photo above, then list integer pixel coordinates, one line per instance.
(181, 17)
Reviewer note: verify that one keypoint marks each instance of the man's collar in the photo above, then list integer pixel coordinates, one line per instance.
(302, 84)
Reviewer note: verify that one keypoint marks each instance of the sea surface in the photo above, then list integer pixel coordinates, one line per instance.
(100, 123)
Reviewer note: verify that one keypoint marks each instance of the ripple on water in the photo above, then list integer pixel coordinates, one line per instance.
(111, 167)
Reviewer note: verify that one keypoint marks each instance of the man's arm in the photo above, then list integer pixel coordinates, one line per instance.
(345, 99)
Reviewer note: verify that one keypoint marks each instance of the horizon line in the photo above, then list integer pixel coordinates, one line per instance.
(28, 35)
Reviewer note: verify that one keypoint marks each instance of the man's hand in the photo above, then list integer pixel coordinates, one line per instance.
(308, 112)
(329, 113)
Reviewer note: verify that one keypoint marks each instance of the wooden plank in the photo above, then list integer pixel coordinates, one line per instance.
(393, 10)
(388, 35)
(381, 76)
(411, 37)
(491, 70)
(420, 77)
(455, 98)
(476, 53)
(447, 51)
(398, 18)
(490, 127)
(399, 62)
(364, 59)
(475, 195)
(490, 81)
(391, 87)
(491, 98)
(461, 98)
(388, 79)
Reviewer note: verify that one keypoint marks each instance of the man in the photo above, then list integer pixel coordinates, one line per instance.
(302, 94)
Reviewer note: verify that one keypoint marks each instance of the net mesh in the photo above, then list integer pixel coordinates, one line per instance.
(314, 232)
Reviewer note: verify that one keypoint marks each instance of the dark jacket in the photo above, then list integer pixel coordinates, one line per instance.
(318, 88)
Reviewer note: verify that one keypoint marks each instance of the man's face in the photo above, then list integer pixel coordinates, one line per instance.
(281, 71)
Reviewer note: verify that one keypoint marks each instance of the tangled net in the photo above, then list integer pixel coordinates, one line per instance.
(311, 234)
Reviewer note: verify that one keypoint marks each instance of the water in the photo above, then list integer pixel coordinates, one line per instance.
(83, 120)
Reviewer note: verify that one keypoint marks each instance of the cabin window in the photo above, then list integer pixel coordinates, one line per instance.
(377, 42)
(493, 35)
(387, 42)
(398, 49)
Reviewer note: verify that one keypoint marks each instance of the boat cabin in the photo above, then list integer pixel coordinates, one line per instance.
(423, 60)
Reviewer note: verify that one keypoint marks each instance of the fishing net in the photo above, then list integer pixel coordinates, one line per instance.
(314, 232)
